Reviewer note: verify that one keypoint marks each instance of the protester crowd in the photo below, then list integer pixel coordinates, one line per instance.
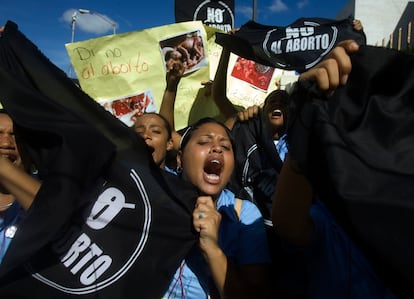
(262, 232)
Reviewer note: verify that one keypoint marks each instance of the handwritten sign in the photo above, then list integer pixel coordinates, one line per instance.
(115, 67)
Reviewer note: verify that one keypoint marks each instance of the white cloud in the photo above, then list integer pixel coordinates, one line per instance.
(92, 22)
(302, 4)
(245, 11)
(278, 6)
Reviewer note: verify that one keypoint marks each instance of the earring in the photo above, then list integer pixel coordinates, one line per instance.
(179, 169)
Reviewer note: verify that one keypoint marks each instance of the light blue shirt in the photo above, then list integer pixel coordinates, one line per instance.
(281, 147)
(243, 242)
(8, 227)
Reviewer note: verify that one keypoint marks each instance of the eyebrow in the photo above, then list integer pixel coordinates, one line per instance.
(156, 126)
(151, 126)
(211, 136)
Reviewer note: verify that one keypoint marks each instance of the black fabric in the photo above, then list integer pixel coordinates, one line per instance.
(298, 46)
(357, 148)
(105, 215)
(257, 164)
(213, 13)
(254, 178)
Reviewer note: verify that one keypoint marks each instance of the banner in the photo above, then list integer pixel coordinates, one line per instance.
(105, 212)
(126, 72)
(299, 46)
(213, 13)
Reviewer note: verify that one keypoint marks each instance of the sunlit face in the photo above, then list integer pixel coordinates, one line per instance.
(152, 128)
(8, 147)
(208, 159)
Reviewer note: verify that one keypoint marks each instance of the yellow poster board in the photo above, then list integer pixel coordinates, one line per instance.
(127, 71)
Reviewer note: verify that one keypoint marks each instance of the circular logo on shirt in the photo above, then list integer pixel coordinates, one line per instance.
(215, 14)
(300, 46)
(90, 258)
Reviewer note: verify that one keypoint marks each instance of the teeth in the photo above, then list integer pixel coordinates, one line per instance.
(277, 113)
(213, 176)
(215, 161)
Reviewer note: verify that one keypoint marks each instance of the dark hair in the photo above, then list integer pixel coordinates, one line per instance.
(195, 126)
(280, 96)
(165, 121)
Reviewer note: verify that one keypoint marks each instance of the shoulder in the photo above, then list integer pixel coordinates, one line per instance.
(226, 198)
(249, 212)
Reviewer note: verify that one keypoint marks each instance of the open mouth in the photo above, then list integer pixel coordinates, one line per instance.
(212, 169)
(277, 113)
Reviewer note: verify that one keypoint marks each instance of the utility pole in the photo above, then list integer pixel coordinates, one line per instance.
(254, 10)
(72, 38)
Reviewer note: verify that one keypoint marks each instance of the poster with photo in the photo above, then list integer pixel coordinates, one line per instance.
(128, 108)
(189, 48)
(255, 74)
(113, 66)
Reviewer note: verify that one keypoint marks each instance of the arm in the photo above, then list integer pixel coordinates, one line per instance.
(19, 183)
(293, 194)
(245, 281)
(248, 113)
(208, 226)
(173, 77)
(291, 204)
(220, 90)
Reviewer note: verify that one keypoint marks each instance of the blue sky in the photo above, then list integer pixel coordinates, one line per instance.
(47, 23)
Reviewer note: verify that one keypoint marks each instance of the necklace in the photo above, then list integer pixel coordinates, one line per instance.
(6, 206)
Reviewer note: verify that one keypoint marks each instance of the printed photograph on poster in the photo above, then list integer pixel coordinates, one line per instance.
(189, 48)
(255, 74)
(128, 108)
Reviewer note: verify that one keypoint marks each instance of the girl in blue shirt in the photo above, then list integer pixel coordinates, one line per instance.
(232, 255)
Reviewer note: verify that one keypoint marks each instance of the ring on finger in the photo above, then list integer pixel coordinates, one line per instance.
(201, 214)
